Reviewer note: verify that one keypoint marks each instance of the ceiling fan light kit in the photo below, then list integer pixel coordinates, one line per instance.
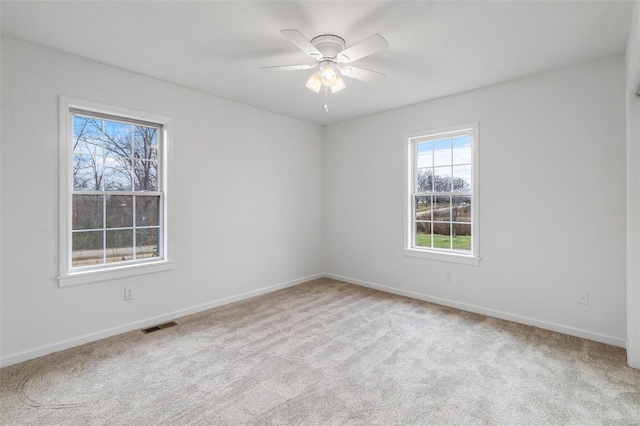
(338, 85)
(328, 50)
(329, 75)
(315, 82)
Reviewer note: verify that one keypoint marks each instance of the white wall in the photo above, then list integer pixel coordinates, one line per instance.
(247, 205)
(633, 191)
(552, 183)
(552, 187)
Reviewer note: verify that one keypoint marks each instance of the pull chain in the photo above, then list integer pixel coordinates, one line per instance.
(326, 107)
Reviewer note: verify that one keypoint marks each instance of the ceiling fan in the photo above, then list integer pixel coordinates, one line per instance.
(329, 52)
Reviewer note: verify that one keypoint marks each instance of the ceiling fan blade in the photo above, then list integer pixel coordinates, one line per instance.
(290, 67)
(296, 37)
(361, 74)
(366, 47)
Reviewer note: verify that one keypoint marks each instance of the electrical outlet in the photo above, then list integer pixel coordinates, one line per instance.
(128, 293)
(583, 299)
(448, 276)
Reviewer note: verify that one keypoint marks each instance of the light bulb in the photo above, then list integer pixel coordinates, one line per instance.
(329, 76)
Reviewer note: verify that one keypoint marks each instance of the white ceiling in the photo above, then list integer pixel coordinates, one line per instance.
(437, 48)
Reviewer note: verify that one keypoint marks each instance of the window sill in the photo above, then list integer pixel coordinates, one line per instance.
(79, 278)
(442, 257)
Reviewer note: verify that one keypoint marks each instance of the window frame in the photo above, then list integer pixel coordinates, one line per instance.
(70, 276)
(410, 173)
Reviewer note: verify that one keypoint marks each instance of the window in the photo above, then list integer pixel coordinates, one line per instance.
(113, 191)
(441, 187)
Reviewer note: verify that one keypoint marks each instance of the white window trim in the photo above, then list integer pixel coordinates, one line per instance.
(71, 278)
(431, 254)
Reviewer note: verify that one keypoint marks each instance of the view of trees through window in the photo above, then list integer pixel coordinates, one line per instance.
(442, 199)
(116, 199)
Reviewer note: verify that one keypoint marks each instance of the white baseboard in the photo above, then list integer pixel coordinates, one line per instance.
(564, 329)
(70, 343)
(92, 337)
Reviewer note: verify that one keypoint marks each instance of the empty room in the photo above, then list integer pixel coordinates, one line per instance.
(309, 212)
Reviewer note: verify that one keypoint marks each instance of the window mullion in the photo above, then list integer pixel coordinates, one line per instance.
(132, 173)
(104, 229)
(451, 210)
(141, 193)
(135, 232)
(104, 158)
(415, 166)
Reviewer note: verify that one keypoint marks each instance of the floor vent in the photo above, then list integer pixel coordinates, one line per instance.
(159, 327)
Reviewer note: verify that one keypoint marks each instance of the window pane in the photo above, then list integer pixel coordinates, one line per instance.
(425, 180)
(117, 174)
(442, 179)
(118, 159)
(87, 135)
(462, 236)
(462, 178)
(441, 210)
(119, 211)
(87, 211)
(146, 175)
(147, 211)
(441, 235)
(147, 243)
(461, 209)
(119, 245)
(425, 154)
(423, 208)
(462, 150)
(442, 152)
(423, 234)
(442, 174)
(86, 248)
(118, 139)
(87, 172)
(146, 143)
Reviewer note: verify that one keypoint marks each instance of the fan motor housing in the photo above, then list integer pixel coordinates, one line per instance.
(329, 44)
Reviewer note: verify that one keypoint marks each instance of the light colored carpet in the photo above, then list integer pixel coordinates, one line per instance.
(327, 352)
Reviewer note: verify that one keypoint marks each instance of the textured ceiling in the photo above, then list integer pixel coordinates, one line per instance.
(436, 48)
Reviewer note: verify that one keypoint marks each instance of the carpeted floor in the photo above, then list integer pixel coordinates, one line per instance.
(327, 352)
